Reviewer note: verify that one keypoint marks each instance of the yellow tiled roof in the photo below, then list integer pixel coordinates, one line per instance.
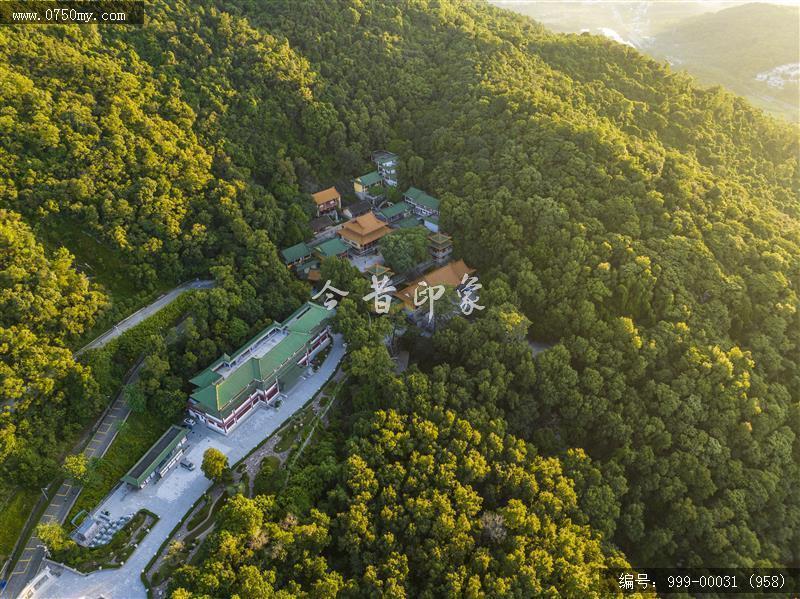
(326, 195)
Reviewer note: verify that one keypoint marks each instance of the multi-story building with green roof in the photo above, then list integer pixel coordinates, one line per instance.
(422, 203)
(393, 212)
(369, 186)
(259, 371)
(387, 166)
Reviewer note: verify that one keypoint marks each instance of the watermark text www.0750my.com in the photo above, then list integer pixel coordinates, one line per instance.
(72, 12)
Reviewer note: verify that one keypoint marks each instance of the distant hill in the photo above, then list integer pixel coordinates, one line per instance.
(752, 49)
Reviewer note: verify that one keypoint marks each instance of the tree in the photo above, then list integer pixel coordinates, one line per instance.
(135, 398)
(175, 550)
(215, 464)
(53, 535)
(77, 468)
(405, 248)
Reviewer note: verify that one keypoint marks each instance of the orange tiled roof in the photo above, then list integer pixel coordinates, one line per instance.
(450, 274)
(326, 195)
(364, 229)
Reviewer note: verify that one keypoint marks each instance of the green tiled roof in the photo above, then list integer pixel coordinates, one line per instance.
(369, 179)
(155, 455)
(307, 318)
(378, 270)
(296, 252)
(220, 394)
(409, 221)
(394, 210)
(423, 199)
(332, 247)
(302, 271)
(383, 157)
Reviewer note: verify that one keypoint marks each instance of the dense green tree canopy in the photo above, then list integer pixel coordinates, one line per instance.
(405, 248)
(418, 508)
(642, 228)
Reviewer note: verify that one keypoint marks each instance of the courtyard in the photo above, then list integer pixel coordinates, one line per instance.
(171, 497)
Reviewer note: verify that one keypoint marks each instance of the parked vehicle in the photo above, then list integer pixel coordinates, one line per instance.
(187, 464)
(190, 422)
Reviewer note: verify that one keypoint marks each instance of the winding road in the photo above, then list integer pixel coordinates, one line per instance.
(30, 560)
(143, 314)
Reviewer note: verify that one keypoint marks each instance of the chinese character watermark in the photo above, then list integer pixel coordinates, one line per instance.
(468, 294)
(430, 293)
(381, 294)
(424, 293)
(330, 302)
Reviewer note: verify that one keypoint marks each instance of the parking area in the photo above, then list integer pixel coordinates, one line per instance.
(171, 497)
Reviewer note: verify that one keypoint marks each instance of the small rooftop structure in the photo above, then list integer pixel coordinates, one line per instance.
(440, 240)
(451, 274)
(378, 270)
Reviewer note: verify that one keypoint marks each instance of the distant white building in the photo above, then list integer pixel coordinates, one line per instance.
(387, 166)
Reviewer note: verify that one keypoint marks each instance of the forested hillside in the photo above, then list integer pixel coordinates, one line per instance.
(751, 49)
(647, 229)
(97, 138)
(648, 226)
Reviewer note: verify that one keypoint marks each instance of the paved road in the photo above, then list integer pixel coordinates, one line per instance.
(143, 314)
(30, 560)
(172, 496)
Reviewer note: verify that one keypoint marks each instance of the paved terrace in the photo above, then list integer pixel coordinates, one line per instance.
(174, 495)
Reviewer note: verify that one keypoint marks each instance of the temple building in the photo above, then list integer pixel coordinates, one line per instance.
(450, 275)
(369, 186)
(421, 203)
(363, 232)
(393, 213)
(227, 391)
(441, 246)
(332, 247)
(327, 200)
(296, 255)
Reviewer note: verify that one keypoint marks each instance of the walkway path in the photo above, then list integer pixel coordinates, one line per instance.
(251, 465)
(172, 496)
(143, 314)
(59, 507)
